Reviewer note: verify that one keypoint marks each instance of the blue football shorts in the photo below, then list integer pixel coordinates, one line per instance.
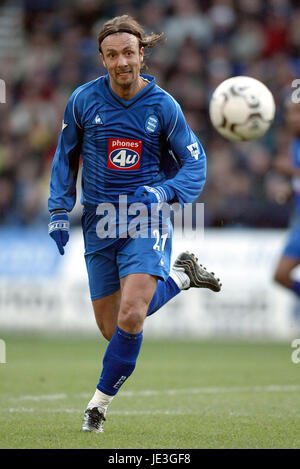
(292, 246)
(108, 260)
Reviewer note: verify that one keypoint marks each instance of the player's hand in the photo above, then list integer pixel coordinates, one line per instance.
(59, 227)
(154, 195)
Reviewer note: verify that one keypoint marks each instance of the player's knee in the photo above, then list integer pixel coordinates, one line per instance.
(131, 321)
(132, 315)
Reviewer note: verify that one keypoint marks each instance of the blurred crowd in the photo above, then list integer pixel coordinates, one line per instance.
(49, 47)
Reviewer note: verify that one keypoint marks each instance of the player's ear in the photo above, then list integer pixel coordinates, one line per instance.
(142, 50)
(102, 58)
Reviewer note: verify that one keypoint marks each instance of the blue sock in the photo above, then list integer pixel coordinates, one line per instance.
(295, 287)
(163, 293)
(119, 360)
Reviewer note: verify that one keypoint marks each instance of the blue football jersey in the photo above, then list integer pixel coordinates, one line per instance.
(124, 144)
(295, 158)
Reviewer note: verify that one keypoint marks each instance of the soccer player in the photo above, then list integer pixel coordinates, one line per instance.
(290, 166)
(135, 143)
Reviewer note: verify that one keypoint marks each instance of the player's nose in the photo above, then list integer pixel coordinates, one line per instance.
(122, 61)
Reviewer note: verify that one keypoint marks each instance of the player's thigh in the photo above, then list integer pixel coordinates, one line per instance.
(104, 287)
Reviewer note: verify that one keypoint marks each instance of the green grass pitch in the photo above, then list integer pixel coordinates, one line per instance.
(191, 394)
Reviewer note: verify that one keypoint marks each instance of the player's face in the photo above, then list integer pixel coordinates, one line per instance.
(123, 58)
(292, 117)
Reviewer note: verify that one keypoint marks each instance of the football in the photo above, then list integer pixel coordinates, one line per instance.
(242, 108)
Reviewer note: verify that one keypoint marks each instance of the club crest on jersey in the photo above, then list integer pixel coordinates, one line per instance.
(151, 124)
(124, 153)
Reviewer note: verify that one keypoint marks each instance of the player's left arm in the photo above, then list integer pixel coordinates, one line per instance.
(188, 183)
(190, 179)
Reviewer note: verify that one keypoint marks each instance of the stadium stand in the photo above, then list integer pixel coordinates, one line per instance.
(48, 48)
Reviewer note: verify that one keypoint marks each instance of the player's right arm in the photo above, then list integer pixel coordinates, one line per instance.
(66, 161)
(64, 175)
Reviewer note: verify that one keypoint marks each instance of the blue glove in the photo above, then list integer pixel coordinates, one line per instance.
(154, 195)
(59, 227)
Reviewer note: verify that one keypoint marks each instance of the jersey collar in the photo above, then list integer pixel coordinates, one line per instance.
(129, 102)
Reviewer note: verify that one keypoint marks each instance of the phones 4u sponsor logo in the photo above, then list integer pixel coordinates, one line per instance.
(124, 154)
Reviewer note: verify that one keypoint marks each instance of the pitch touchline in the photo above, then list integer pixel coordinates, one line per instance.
(125, 413)
(112, 412)
(204, 390)
(42, 397)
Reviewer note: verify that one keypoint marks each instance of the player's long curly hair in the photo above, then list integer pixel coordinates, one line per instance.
(127, 24)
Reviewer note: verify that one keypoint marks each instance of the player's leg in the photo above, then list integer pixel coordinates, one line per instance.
(105, 291)
(137, 291)
(139, 265)
(105, 294)
(186, 273)
(123, 349)
(165, 291)
(106, 313)
(289, 259)
(283, 273)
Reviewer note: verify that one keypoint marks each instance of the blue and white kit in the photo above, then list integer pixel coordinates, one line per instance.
(292, 246)
(124, 144)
